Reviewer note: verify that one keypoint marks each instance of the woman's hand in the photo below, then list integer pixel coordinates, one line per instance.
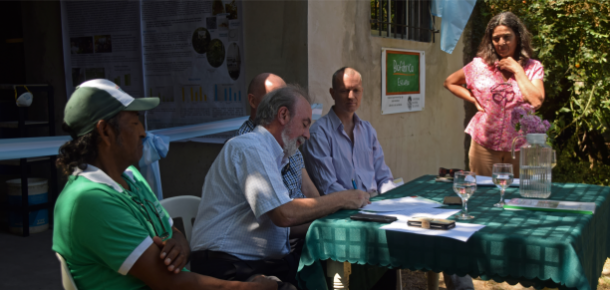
(531, 91)
(510, 65)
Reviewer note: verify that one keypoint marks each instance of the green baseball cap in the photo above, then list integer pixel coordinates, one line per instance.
(100, 99)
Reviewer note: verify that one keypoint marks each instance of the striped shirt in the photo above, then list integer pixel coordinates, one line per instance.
(333, 160)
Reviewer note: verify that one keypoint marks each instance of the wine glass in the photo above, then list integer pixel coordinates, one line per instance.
(502, 176)
(464, 185)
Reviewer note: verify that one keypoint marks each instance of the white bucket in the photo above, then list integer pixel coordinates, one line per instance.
(38, 193)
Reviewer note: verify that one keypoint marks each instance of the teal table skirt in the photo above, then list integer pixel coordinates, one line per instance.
(534, 248)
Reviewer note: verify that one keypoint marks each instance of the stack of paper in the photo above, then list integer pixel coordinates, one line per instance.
(550, 205)
(461, 232)
(400, 204)
(412, 206)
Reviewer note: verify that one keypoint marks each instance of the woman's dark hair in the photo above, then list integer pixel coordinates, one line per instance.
(82, 150)
(523, 51)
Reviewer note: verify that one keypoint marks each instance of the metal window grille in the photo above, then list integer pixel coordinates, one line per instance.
(403, 19)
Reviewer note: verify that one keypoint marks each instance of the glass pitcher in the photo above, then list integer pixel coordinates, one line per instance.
(535, 165)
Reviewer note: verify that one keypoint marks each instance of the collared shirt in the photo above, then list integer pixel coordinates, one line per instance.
(246, 127)
(101, 229)
(333, 161)
(492, 128)
(291, 173)
(242, 185)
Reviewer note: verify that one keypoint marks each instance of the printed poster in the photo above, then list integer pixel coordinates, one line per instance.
(193, 61)
(187, 53)
(403, 80)
(101, 39)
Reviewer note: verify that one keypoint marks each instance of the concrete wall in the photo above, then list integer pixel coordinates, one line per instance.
(185, 167)
(275, 40)
(415, 143)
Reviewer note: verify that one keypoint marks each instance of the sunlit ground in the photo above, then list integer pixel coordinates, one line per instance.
(417, 281)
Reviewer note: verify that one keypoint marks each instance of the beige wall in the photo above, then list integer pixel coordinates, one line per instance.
(415, 143)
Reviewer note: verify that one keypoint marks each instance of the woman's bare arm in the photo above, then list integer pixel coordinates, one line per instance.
(454, 84)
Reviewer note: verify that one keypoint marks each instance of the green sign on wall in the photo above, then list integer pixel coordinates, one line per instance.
(402, 72)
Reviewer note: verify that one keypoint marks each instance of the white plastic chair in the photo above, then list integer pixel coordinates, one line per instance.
(66, 278)
(185, 207)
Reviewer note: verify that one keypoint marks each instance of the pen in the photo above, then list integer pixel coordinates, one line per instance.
(354, 184)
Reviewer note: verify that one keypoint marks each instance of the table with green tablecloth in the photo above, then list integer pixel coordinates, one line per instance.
(535, 248)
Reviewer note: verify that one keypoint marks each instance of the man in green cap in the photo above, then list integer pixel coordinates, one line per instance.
(109, 226)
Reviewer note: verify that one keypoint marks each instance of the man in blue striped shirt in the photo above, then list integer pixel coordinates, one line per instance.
(343, 151)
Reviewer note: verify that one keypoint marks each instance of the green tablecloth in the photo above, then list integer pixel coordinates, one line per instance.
(535, 248)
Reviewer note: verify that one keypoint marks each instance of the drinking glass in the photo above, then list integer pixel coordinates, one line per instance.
(502, 176)
(464, 185)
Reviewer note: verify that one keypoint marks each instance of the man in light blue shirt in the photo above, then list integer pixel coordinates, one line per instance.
(244, 218)
(343, 148)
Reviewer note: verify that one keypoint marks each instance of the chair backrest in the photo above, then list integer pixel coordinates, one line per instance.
(66, 278)
(183, 210)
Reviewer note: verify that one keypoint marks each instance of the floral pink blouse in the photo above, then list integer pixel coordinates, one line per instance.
(492, 129)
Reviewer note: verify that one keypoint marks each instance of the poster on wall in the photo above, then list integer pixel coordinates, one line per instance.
(187, 53)
(101, 40)
(403, 80)
(193, 61)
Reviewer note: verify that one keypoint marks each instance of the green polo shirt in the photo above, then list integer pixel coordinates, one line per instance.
(101, 229)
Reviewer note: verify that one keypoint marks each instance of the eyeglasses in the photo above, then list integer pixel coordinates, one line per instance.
(502, 91)
(142, 205)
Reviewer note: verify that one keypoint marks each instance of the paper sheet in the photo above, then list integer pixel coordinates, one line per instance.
(487, 181)
(461, 232)
(402, 203)
(404, 215)
(553, 205)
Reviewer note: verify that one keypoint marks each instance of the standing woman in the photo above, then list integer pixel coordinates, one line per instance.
(502, 77)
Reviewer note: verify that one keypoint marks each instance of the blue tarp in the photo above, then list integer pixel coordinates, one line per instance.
(16, 148)
(455, 15)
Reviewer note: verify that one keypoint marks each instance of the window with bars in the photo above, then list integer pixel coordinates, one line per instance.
(403, 19)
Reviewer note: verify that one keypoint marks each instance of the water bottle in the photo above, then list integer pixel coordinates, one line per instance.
(535, 165)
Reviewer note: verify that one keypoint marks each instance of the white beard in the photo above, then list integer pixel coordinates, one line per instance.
(290, 146)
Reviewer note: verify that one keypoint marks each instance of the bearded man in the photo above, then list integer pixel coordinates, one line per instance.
(244, 218)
